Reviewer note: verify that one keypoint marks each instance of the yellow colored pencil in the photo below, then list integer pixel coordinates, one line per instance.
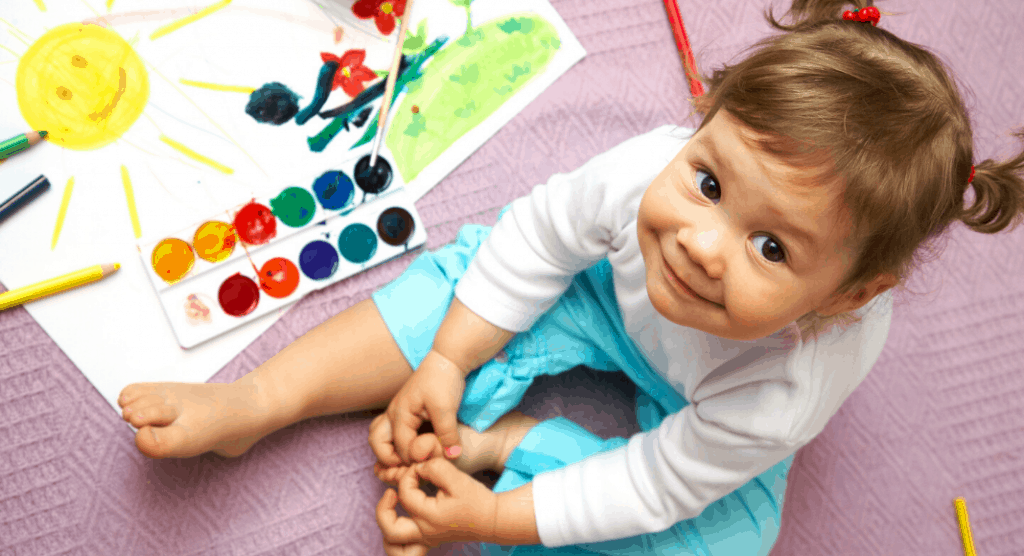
(965, 526)
(56, 285)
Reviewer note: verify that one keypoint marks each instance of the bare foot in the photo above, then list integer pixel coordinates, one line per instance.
(480, 450)
(180, 420)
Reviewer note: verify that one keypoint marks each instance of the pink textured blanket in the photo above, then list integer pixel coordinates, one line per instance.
(939, 417)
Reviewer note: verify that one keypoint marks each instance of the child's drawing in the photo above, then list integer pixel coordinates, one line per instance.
(165, 113)
(464, 83)
(87, 85)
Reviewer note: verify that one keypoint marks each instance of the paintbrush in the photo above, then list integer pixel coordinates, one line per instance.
(389, 90)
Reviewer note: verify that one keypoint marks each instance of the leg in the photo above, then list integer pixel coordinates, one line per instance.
(348, 363)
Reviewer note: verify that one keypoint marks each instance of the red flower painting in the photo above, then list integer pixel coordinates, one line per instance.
(351, 71)
(383, 12)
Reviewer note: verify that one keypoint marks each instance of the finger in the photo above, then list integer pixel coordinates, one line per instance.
(446, 426)
(404, 424)
(395, 529)
(391, 475)
(441, 473)
(425, 446)
(381, 441)
(413, 499)
(386, 474)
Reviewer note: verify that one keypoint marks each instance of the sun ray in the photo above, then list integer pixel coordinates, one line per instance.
(174, 26)
(181, 161)
(196, 156)
(42, 7)
(110, 4)
(130, 196)
(130, 144)
(161, 132)
(201, 111)
(91, 9)
(63, 210)
(17, 33)
(216, 87)
(203, 130)
(16, 55)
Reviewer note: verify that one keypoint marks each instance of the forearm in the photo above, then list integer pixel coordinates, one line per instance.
(466, 339)
(515, 523)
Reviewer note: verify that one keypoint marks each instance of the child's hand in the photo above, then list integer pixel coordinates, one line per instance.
(433, 393)
(392, 475)
(424, 447)
(463, 510)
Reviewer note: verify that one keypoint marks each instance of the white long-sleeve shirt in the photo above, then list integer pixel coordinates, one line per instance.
(752, 403)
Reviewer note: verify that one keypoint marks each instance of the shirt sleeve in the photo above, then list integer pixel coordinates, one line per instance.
(658, 478)
(561, 228)
(728, 435)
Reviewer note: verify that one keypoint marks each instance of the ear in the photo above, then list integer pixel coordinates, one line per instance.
(856, 299)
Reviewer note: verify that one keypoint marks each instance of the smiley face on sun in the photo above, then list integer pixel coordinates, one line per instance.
(84, 84)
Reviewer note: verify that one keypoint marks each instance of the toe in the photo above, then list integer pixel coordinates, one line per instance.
(159, 414)
(131, 393)
(142, 402)
(161, 442)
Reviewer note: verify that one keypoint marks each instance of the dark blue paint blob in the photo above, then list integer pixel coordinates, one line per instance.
(357, 243)
(272, 103)
(334, 189)
(319, 260)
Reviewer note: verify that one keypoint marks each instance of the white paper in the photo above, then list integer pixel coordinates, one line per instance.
(115, 330)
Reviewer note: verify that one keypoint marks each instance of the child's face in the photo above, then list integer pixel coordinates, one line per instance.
(717, 218)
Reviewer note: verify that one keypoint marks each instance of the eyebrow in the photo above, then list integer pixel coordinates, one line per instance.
(805, 239)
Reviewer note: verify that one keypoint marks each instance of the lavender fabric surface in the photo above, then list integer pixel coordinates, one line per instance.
(939, 417)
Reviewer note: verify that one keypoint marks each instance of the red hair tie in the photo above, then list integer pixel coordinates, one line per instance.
(865, 15)
(971, 178)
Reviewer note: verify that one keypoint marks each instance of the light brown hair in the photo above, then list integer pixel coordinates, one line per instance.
(889, 120)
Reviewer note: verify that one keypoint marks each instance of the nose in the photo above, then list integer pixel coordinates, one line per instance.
(704, 244)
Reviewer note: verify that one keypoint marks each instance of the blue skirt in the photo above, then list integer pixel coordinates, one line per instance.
(584, 327)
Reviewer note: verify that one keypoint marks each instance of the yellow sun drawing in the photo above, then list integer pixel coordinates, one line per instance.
(86, 86)
(83, 84)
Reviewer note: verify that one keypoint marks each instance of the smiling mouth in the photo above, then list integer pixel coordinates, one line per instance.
(682, 285)
(102, 114)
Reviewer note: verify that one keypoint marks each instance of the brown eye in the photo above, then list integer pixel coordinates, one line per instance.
(708, 185)
(770, 249)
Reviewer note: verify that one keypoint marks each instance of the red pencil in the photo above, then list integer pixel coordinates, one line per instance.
(675, 19)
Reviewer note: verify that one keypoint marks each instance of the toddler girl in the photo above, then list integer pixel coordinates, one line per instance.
(738, 273)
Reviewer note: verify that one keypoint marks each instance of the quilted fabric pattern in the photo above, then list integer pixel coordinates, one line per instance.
(939, 417)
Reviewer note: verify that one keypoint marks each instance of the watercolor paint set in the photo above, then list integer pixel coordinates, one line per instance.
(257, 257)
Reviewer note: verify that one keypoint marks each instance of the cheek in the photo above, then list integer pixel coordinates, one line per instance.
(759, 302)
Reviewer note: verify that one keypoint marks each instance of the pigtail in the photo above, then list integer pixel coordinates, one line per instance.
(998, 194)
(809, 13)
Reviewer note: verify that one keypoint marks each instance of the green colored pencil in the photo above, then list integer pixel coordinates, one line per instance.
(17, 144)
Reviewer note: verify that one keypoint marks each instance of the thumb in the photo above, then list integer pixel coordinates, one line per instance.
(440, 472)
(446, 427)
